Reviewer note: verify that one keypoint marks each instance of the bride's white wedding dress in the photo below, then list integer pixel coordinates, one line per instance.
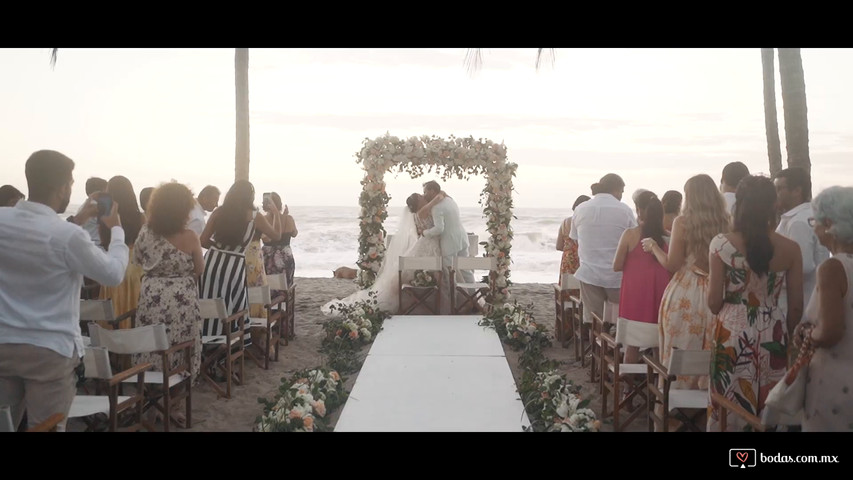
(404, 243)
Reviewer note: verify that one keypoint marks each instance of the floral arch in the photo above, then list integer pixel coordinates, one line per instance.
(459, 157)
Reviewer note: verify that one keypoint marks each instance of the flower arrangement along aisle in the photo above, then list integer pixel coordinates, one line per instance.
(517, 328)
(554, 404)
(353, 326)
(303, 402)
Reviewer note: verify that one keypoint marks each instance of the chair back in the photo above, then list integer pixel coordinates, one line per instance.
(212, 308)
(569, 282)
(420, 263)
(277, 281)
(474, 263)
(689, 362)
(96, 311)
(636, 334)
(260, 295)
(150, 338)
(96, 361)
(6, 424)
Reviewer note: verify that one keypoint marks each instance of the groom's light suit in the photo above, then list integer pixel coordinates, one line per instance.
(454, 238)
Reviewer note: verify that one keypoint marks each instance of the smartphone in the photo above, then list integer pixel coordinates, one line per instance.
(267, 199)
(105, 204)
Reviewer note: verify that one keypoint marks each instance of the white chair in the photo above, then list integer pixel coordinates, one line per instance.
(279, 282)
(420, 294)
(616, 375)
(223, 352)
(471, 293)
(600, 325)
(563, 307)
(97, 366)
(6, 423)
(102, 311)
(164, 388)
(675, 401)
(271, 324)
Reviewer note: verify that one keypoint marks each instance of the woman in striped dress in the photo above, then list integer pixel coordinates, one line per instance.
(226, 235)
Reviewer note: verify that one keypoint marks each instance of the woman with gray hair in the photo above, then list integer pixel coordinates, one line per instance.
(829, 317)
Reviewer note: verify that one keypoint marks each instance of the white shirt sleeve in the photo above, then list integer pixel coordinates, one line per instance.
(573, 232)
(106, 268)
(196, 224)
(801, 233)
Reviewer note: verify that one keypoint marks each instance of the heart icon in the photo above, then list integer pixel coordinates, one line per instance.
(742, 456)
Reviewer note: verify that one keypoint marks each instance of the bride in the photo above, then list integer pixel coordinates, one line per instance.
(407, 242)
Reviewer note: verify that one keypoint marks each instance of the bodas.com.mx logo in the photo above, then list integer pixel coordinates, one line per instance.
(742, 457)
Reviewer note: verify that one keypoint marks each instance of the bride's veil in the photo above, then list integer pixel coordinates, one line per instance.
(387, 277)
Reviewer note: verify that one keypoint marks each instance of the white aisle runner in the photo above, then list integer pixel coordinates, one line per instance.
(428, 373)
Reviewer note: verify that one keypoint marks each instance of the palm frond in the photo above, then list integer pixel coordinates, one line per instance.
(473, 60)
(53, 52)
(549, 52)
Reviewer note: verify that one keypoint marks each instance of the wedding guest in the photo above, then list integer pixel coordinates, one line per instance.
(671, 202)
(170, 256)
(794, 194)
(40, 341)
(830, 313)
(207, 201)
(226, 236)
(637, 194)
(685, 320)
(9, 196)
(144, 197)
(597, 226)
(749, 269)
(644, 279)
(732, 174)
(570, 261)
(278, 256)
(125, 296)
(93, 185)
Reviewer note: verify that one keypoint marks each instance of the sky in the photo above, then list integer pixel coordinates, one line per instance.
(654, 116)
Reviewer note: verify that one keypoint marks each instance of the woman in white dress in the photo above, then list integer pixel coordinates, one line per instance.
(407, 242)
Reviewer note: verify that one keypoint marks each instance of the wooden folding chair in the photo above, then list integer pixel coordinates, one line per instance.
(164, 388)
(278, 282)
(470, 293)
(724, 405)
(676, 401)
(420, 295)
(563, 308)
(220, 353)
(580, 330)
(96, 361)
(617, 376)
(101, 312)
(271, 325)
(599, 325)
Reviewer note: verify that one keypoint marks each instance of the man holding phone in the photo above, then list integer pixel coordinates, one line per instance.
(43, 262)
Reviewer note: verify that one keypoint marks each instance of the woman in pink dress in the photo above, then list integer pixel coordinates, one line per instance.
(644, 279)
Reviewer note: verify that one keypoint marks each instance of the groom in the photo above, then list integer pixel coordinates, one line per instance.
(453, 237)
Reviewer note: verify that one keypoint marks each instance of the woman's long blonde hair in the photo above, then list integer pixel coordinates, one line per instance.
(705, 214)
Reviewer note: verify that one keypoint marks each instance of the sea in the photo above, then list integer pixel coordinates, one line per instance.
(328, 239)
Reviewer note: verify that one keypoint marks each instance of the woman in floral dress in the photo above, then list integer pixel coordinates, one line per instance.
(685, 321)
(278, 256)
(171, 259)
(570, 261)
(749, 268)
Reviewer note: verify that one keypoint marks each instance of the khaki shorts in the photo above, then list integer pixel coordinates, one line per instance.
(593, 298)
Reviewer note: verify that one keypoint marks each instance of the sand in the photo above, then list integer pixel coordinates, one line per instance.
(238, 414)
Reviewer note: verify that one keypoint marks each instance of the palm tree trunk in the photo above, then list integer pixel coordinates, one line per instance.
(241, 82)
(794, 105)
(771, 125)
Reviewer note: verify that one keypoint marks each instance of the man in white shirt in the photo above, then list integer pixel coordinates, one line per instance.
(44, 259)
(597, 226)
(733, 173)
(207, 201)
(793, 195)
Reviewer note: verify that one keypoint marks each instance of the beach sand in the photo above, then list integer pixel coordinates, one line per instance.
(238, 414)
